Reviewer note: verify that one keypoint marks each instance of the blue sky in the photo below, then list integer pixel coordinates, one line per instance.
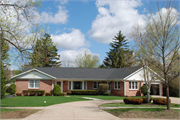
(90, 24)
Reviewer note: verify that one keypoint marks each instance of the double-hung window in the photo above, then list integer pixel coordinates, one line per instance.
(116, 84)
(34, 83)
(133, 85)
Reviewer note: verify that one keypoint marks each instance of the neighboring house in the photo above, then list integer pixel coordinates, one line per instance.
(122, 81)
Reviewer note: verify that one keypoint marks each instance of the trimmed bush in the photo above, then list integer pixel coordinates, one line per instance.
(48, 94)
(33, 92)
(68, 92)
(18, 94)
(133, 100)
(103, 88)
(84, 92)
(106, 94)
(145, 99)
(56, 90)
(144, 90)
(161, 101)
(12, 89)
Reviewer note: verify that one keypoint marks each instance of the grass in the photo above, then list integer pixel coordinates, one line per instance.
(8, 110)
(32, 101)
(141, 105)
(101, 97)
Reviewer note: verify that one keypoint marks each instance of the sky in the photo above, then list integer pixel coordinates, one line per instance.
(90, 25)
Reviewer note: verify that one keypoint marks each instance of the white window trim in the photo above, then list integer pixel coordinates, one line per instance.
(96, 84)
(117, 85)
(134, 85)
(34, 84)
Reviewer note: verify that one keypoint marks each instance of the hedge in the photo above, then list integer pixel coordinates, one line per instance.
(161, 101)
(18, 94)
(48, 94)
(33, 92)
(12, 89)
(68, 92)
(106, 94)
(59, 94)
(84, 92)
(133, 100)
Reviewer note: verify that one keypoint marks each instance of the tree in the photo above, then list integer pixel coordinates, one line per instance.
(19, 27)
(161, 41)
(3, 84)
(87, 60)
(45, 53)
(119, 55)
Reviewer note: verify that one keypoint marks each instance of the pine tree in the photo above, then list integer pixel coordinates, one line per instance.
(119, 55)
(3, 83)
(45, 53)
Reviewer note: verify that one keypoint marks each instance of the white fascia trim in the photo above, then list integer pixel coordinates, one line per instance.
(155, 73)
(132, 74)
(33, 70)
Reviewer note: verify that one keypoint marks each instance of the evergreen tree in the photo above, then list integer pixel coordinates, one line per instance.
(3, 84)
(45, 53)
(119, 55)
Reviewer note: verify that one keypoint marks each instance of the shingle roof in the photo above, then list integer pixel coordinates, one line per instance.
(88, 73)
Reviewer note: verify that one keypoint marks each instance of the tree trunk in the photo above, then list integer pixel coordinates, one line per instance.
(167, 96)
(148, 95)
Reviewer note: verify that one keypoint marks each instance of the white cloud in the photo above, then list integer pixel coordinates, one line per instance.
(60, 17)
(114, 16)
(70, 41)
(69, 56)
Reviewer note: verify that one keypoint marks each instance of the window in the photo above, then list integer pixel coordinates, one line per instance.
(69, 85)
(59, 83)
(85, 83)
(96, 84)
(34, 83)
(133, 85)
(117, 85)
(77, 85)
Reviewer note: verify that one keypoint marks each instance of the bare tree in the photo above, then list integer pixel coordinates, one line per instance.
(159, 42)
(18, 24)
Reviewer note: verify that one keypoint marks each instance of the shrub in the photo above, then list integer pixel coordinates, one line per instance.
(103, 88)
(144, 90)
(12, 89)
(33, 92)
(84, 92)
(3, 83)
(106, 94)
(161, 101)
(18, 94)
(56, 90)
(68, 92)
(133, 100)
(48, 94)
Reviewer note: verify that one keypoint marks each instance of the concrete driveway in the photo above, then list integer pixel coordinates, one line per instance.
(82, 110)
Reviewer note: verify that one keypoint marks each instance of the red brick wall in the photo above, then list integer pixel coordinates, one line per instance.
(65, 86)
(89, 85)
(117, 92)
(133, 92)
(23, 85)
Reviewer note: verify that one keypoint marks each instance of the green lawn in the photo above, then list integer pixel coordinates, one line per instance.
(101, 97)
(7, 93)
(132, 105)
(8, 110)
(32, 101)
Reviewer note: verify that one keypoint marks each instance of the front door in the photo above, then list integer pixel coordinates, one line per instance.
(109, 90)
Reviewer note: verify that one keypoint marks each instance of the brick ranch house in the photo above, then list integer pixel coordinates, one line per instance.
(122, 81)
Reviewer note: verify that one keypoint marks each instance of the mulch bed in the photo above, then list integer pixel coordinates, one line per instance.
(17, 114)
(164, 114)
